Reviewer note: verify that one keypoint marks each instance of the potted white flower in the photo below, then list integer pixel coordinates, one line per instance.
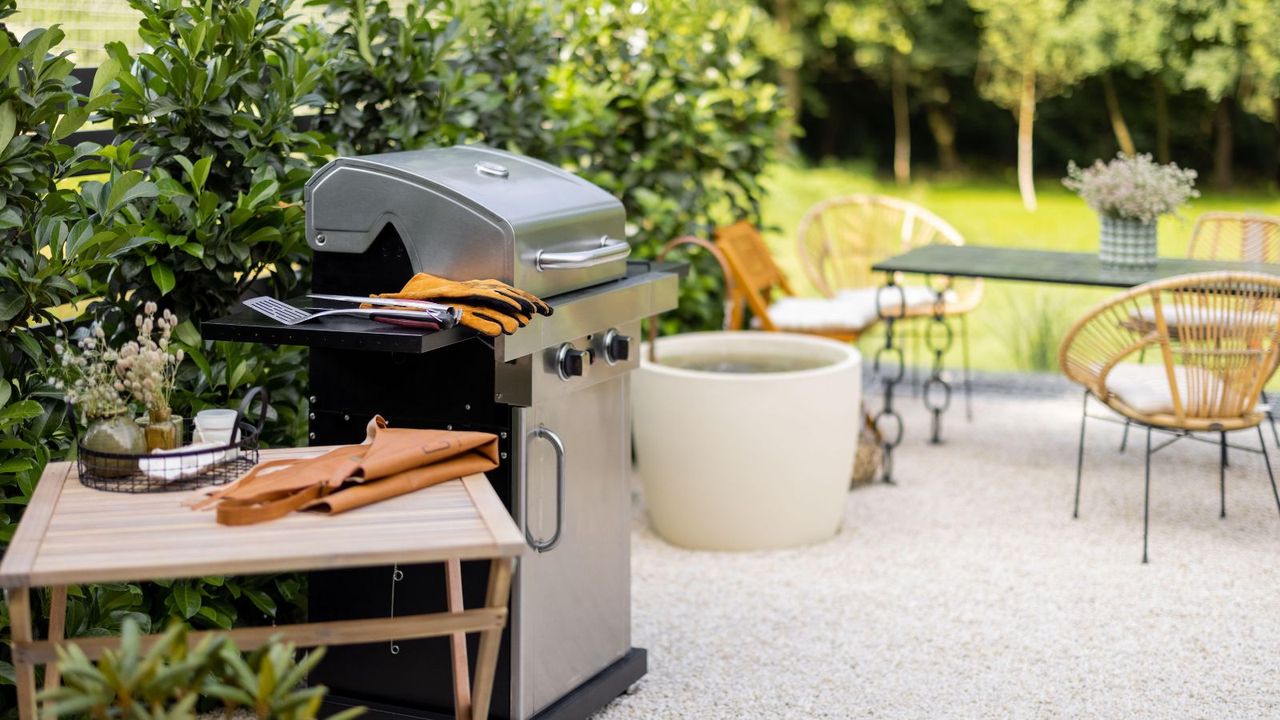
(1129, 194)
(148, 368)
(89, 381)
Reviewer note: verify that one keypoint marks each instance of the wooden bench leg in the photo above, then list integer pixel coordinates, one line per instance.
(57, 631)
(458, 644)
(19, 600)
(487, 656)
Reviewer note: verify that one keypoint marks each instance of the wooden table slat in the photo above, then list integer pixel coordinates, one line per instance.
(74, 534)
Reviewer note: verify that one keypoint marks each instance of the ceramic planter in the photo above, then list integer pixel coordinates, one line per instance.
(746, 461)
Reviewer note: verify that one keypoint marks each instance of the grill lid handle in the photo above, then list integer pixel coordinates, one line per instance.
(610, 249)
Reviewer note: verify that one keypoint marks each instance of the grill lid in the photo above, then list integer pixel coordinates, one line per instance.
(472, 212)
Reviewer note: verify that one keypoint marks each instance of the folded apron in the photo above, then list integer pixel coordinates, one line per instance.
(390, 462)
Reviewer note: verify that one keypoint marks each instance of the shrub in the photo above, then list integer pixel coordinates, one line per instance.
(665, 104)
(169, 680)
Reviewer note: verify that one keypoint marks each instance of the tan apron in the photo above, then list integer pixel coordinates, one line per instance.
(391, 462)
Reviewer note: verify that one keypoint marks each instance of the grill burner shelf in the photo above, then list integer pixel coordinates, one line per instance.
(360, 334)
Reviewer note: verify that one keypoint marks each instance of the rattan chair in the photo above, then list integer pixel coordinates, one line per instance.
(760, 286)
(1210, 372)
(1247, 237)
(840, 239)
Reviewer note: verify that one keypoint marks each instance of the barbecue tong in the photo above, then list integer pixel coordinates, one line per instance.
(426, 315)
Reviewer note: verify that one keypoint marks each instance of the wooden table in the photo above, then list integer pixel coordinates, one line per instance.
(72, 535)
(975, 261)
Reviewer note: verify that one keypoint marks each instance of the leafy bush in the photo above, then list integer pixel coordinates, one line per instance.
(213, 106)
(389, 83)
(170, 679)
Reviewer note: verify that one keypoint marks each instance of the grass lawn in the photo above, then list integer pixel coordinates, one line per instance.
(1019, 325)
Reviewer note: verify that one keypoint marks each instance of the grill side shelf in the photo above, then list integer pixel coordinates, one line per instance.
(334, 332)
(361, 334)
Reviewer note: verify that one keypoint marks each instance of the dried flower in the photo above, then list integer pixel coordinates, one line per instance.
(88, 376)
(1133, 187)
(146, 366)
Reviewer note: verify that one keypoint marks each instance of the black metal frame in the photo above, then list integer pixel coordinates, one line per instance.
(1176, 435)
(939, 338)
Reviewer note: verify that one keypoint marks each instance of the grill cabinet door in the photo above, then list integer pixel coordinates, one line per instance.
(575, 608)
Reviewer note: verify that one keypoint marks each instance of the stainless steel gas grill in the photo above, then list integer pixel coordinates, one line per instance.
(556, 393)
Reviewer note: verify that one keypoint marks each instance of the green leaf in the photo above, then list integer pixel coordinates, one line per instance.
(72, 121)
(11, 305)
(127, 188)
(19, 411)
(8, 124)
(188, 599)
(105, 75)
(187, 334)
(162, 276)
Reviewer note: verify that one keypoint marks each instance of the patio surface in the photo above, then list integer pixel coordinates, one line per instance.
(967, 590)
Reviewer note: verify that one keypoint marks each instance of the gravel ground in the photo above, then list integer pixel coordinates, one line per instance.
(967, 590)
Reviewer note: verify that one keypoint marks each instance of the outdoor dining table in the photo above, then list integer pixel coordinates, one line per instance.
(72, 535)
(975, 261)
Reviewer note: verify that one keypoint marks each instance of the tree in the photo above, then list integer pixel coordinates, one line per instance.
(1124, 37)
(1262, 62)
(908, 45)
(1206, 50)
(1028, 52)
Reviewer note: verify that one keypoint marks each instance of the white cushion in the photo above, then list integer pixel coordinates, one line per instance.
(917, 297)
(1145, 388)
(821, 314)
(1204, 317)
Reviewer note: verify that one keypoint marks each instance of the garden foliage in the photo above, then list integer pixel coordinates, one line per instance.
(227, 112)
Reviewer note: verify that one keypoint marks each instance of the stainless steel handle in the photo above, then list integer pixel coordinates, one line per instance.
(558, 445)
(610, 249)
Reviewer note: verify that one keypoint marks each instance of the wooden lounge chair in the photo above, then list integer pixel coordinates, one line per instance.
(1211, 370)
(840, 239)
(761, 286)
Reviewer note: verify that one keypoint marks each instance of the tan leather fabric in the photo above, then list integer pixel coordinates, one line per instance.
(391, 462)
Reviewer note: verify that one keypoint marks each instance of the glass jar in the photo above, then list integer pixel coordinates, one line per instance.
(118, 435)
(163, 430)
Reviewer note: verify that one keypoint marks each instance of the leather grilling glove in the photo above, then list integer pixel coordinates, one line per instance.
(490, 307)
(492, 294)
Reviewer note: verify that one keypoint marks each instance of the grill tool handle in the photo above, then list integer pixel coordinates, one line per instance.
(558, 445)
(610, 249)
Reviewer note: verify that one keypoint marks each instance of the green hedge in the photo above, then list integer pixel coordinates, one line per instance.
(200, 196)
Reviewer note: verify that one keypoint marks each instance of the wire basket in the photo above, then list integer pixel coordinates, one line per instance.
(182, 469)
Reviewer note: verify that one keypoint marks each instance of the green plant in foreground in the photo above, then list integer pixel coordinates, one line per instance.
(169, 680)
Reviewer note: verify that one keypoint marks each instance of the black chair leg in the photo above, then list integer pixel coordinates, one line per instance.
(1146, 499)
(1266, 460)
(1084, 416)
(1222, 473)
(1124, 439)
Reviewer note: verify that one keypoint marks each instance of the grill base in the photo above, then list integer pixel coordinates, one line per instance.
(587, 699)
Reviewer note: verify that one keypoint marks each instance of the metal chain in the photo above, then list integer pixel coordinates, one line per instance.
(396, 576)
(889, 353)
(939, 337)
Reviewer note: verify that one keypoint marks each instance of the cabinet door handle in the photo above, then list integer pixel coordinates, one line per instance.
(543, 545)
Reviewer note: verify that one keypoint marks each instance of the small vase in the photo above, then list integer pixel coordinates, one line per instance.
(1127, 243)
(163, 430)
(117, 435)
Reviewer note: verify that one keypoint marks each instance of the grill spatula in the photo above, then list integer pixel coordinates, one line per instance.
(286, 314)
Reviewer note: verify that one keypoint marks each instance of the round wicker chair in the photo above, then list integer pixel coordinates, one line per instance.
(1247, 237)
(1209, 374)
(841, 238)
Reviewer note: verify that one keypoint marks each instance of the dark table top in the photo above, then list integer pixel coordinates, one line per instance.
(1047, 266)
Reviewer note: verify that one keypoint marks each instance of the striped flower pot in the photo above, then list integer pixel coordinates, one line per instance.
(1127, 243)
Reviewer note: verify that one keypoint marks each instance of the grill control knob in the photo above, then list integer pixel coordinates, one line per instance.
(572, 362)
(617, 347)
